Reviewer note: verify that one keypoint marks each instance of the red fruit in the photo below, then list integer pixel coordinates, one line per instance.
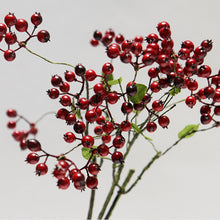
(163, 24)
(184, 53)
(108, 127)
(21, 25)
(126, 108)
(117, 157)
(118, 141)
(32, 158)
(87, 141)
(113, 51)
(10, 19)
(96, 100)
(97, 35)
(36, 19)
(163, 121)
(69, 137)
(147, 59)
(153, 72)
(98, 130)
(125, 126)
(91, 116)
(10, 38)
(56, 80)
(41, 169)
(119, 38)
(100, 120)
(62, 113)
(167, 44)
(92, 182)
(106, 138)
(112, 98)
(136, 48)
(11, 113)
(99, 88)
(164, 32)
(107, 68)
(125, 57)
(204, 71)
(200, 52)
(33, 145)
(157, 105)
(94, 42)
(192, 85)
(94, 168)
(65, 87)
(205, 118)
(209, 92)
(103, 150)
(3, 29)
(151, 126)
(83, 103)
(43, 36)
(53, 93)
(79, 180)
(17, 135)
(9, 55)
(63, 183)
(205, 109)
(217, 110)
(69, 76)
(70, 119)
(216, 97)
(90, 75)
(152, 38)
(190, 101)
(11, 124)
(65, 100)
(79, 127)
(207, 45)
(188, 44)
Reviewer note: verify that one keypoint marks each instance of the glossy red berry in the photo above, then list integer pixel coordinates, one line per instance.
(112, 98)
(41, 169)
(36, 19)
(205, 118)
(33, 145)
(153, 72)
(63, 183)
(131, 90)
(98, 130)
(43, 36)
(87, 141)
(11, 113)
(205, 109)
(90, 75)
(163, 121)
(200, 52)
(209, 92)
(69, 137)
(92, 182)
(56, 80)
(103, 150)
(217, 110)
(117, 157)
(126, 108)
(151, 126)
(108, 127)
(107, 68)
(79, 127)
(9, 55)
(118, 141)
(97, 35)
(207, 45)
(80, 70)
(62, 113)
(65, 100)
(204, 71)
(184, 53)
(11, 124)
(3, 29)
(99, 88)
(188, 44)
(119, 38)
(152, 38)
(21, 25)
(83, 103)
(125, 57)
(136, 48)
(32, 158)
(94, 168)
(94, 42)
(125, 126)
(113, 51)
(53, 93)
(10, 19)
(190, 101)
(157, 105)
(106, 138)
(69, 76)
(91, 115)
(70, 119)
(10, 38)
(65, 87)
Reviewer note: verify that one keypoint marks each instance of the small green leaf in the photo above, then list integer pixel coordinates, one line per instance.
(115, 81)
(78, 113)
(188, 131)
(141, 91)
(86, 152)
(109, 77)
(174, 91)
(138, 130)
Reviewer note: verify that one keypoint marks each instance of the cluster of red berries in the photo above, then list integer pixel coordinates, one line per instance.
(91, 104)
(20, 25)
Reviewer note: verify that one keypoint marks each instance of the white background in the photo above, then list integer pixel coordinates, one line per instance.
(182, 185)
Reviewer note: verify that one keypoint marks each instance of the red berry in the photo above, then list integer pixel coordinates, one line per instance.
(69, 76)
(99, 88)
(91, 116)
(131, 90)
(113, 51)
(98, 130)
(100, 120)
(157, 105)
(69, 137)
(205, 109)
(117, 157)
(216, 97)
(106, 138)
(188, 44)
(21, 25)
(125, 57)
(79, 127)
(87, 141)
(204, 71)
(153, 72)
(126, 108)
(199, 52)
(163, 24)
(62, 113)
(209, 92)
(108, 127)
(70, 119)
(32, 158)
(118, 141)
(11, 124)
(83, 103)
(43, 36)
(97, 35)
(184, 53)
(136, 48)
(207, 45)
(11, 113)
(112, 98)
(65, 100)
(17, 135)
(205, 118)
(9, 55)
(96, 100)
(80, 70)
(10, 19)
(192, 85)
(41, 169)
(151, 126)
(107, 68)
(90, 75)
(94, 42)
(53, 93)
(36, 19)
(63, 183)
(56, 80)
(190, 101)
(103, 150)
(92, 182)
(33, 145)
(125, 126)
(10, 38)
(152, 38)
(119, 38)
(94, 168)
(3, 29)
(65, 87)
(163, 121)
(164, 32)
(217, 110)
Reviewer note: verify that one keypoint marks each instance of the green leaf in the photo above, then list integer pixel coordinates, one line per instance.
(86, 152)
(188, 131)
(141, 91)
(78, 113)
(138, 130)
(109, 77)
(115, 81)
(174, 91)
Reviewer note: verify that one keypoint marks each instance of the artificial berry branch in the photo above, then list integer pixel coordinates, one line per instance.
(94, 128)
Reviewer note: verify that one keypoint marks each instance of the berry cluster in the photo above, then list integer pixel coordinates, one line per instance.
(20, 25)
(95, 128)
